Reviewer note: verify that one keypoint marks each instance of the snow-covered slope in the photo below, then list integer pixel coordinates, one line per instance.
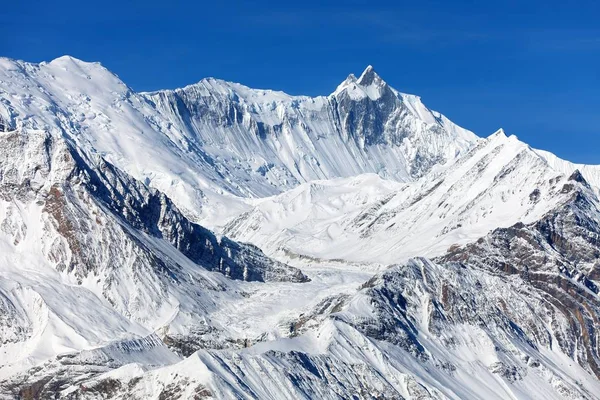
(364, 126)
(514, 315)
(214, 139)
(500, 182)
(110, 288)
(92, 258)
(591, 173)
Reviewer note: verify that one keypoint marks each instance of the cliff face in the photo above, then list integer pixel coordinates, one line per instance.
(365, 126)
(555, 257)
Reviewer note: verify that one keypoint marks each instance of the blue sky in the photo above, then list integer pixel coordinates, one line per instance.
(531, 67)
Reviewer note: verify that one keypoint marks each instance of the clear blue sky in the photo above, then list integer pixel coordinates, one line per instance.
(531, 67)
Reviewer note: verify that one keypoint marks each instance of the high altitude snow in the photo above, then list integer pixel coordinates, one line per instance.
(110, 287)
(210, 141)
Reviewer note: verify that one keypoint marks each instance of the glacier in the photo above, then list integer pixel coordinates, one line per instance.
(218, 241)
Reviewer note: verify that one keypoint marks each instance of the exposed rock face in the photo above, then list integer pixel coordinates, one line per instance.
(459, 313)
(4, 125)
(77, 193)
(508, 307)
(364, 126)
(558, 256)
(103, 234)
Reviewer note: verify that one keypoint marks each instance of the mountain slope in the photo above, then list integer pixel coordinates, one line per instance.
(110, 288)
(498, 183)
(206, 142)
(513, 315)
(364, 126)
(93, 260)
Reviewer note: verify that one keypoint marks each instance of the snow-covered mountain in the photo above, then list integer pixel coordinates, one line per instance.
(210, 141)
(498, 183)
(74, 224)
(404, 257)
(364, 126)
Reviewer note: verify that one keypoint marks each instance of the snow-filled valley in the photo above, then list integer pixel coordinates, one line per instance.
(218, 241)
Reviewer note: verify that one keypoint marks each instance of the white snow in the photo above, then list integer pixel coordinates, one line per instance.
(280, 172)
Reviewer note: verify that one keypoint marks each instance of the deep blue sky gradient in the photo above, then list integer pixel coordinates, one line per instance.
(531, 67)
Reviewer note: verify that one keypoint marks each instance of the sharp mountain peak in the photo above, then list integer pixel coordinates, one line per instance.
(369, 76)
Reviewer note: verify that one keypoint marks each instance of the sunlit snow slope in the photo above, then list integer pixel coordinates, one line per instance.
(214, 139)
(498, 183)
(404, 257)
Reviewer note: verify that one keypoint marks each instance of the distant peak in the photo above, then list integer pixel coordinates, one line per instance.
(369, 84)
(578, 177)
(368, 70)
(350, 80)
(498, 134)
(67, 59)
(369, 76)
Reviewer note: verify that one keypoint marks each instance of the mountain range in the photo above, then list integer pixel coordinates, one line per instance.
(218, 241)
